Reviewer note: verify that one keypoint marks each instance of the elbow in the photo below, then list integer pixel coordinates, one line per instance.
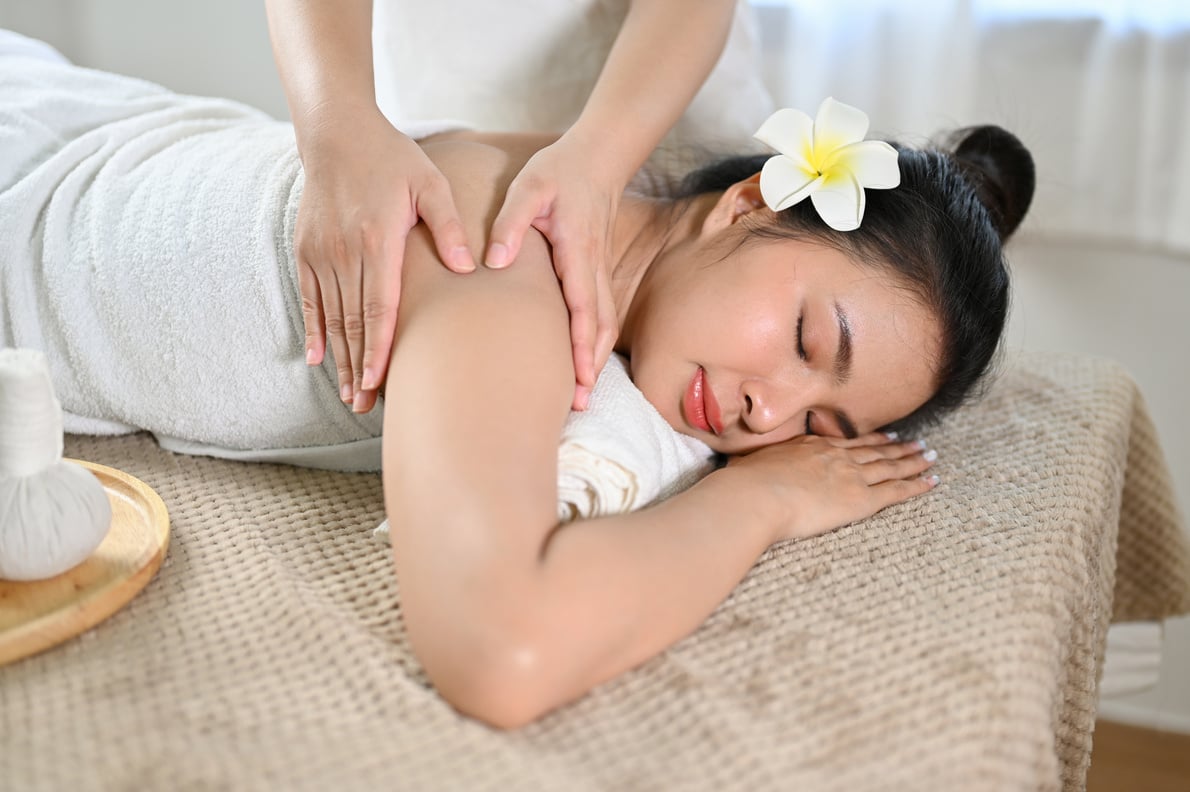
(503, 686)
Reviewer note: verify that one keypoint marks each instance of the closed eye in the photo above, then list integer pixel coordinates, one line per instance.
(809, 429)
(801, 347)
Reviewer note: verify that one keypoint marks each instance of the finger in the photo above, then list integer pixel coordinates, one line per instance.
(573, 264)
(889, 492)
(520, 209)
(381, 298)
(869, 439)
(312, 316)
(364, 401)
(582, 398)
(890, 469)
(350, 277)
(608, 324)
(871, 453)
(333, 311)
(878, 438)
(436, 206)
(605, 341)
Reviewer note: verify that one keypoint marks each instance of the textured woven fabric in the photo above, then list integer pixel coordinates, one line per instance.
(952, 642)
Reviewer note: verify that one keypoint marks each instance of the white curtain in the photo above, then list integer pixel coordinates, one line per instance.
(1098, 89)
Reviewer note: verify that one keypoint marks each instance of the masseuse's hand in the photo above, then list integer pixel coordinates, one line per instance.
(366, 186)
(818, 484)
(564, 193)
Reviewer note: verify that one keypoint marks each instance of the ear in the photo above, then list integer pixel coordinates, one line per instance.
(739, 200)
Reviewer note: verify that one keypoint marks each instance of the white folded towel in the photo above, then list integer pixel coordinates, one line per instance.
(620, 454)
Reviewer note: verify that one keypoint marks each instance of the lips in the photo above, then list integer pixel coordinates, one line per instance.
(699, 405)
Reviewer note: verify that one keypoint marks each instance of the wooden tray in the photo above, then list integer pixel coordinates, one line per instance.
(36, 615)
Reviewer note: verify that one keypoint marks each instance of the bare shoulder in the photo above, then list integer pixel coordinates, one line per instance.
(517, 146)
(479, 174)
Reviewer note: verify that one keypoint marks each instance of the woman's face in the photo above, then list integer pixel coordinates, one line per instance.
(748, 345)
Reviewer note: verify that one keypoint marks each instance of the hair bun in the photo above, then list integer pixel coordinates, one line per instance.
(1001, 169)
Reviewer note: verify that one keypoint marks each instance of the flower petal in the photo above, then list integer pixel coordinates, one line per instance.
(840, 200)
(872, 162)
(790, 132)
(838, 125)
(783, 183)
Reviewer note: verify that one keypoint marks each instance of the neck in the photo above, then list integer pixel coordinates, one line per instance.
(646, 230)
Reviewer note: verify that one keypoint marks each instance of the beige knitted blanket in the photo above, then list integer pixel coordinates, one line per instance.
(954, 642)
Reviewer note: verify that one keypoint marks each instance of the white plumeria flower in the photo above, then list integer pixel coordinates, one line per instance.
(827, 159)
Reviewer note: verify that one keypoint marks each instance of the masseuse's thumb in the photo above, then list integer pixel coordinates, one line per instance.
(521, 207)
(436, 207)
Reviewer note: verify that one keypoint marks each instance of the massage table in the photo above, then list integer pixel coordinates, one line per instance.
(953, 642)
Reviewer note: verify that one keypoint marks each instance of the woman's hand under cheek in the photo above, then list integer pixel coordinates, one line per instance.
(818, 484)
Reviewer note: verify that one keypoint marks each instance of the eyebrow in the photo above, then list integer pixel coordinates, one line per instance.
(843, 353)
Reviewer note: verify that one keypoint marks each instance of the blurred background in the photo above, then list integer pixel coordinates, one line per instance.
(1098, 89)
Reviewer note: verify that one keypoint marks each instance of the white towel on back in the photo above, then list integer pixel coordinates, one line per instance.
(145, 248)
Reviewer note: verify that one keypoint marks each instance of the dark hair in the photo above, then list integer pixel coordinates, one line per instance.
(941, 231)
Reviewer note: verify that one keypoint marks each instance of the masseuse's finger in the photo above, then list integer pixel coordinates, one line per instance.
(522, 205)
(381, 296)
(575, 264)
(607, 326)
(312, 314)
(349, 274)
(605, 331)
(332, 308)
(436, 206)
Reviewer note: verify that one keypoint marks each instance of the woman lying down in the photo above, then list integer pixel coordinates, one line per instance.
(146, 246)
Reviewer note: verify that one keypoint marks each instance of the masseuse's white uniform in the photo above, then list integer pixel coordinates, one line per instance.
(531, 64)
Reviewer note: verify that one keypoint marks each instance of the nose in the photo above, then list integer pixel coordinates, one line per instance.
(768, 405)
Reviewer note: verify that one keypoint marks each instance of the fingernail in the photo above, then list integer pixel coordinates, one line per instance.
(933, 480)
(497, 256)
(583, 398)
(310, 357)
(920, 444)
(358, 405)
(891, 436)
(345, 393)
(462, 259)
(369, 381)
(930, 455)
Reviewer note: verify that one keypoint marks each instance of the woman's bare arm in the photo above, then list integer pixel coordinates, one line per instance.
(510, 615)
